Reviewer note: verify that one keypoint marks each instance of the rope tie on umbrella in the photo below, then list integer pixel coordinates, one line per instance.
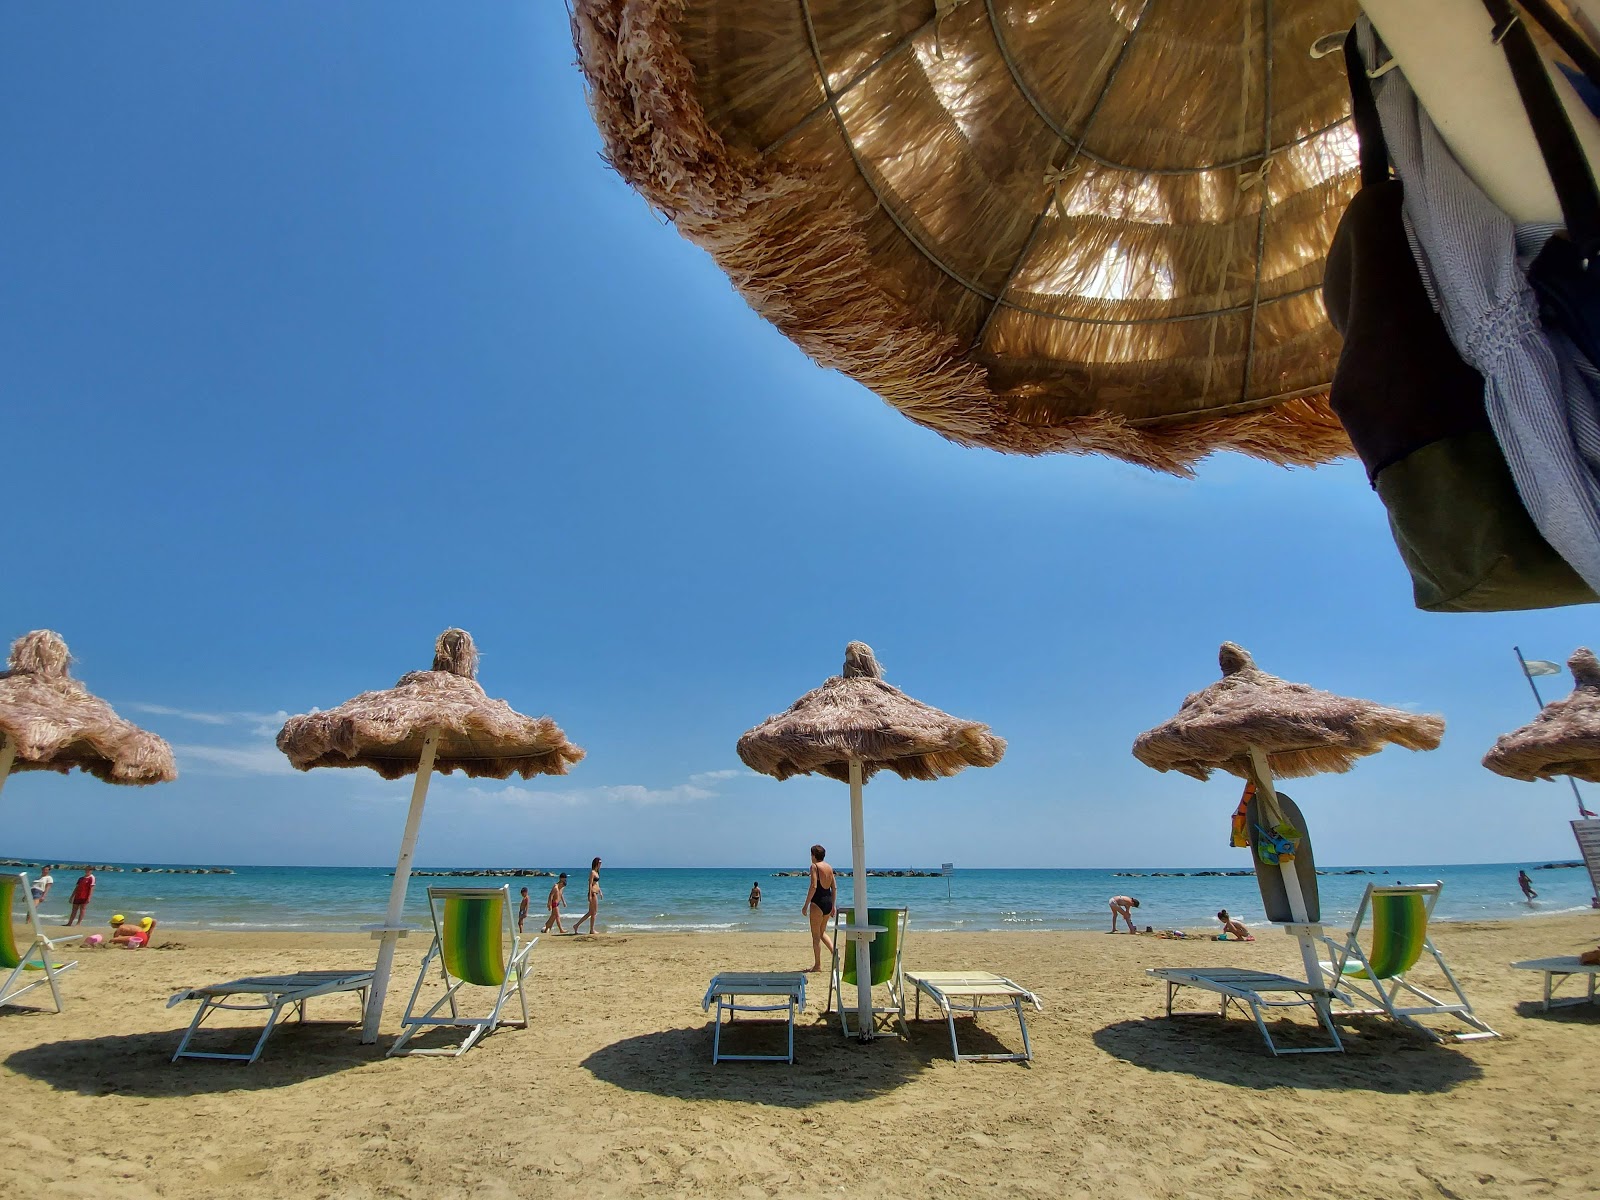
(1256, 178)
(941, 10)
(1055, 182)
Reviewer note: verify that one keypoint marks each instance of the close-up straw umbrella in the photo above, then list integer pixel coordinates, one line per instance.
(1564, 739)
(1086, 226)
(849, 729)
(1260, 728)
(50, 722)
(435, 720)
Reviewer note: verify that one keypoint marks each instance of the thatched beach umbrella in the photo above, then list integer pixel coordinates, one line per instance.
(1033, 226)
(440, 719)
(1258, 727)
(1564, 739)
(50, 722)
(849, 729)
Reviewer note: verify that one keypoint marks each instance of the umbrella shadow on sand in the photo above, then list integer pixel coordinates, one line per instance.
(140, 1064)
(1378, 1057)
(677, 1063)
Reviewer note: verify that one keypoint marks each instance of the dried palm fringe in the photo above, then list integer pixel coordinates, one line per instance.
(805, 268)
(1564, 739)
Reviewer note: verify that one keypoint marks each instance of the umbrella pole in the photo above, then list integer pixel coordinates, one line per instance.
(8, 755)
(1303, 930)
(391, 928)
(858, 878)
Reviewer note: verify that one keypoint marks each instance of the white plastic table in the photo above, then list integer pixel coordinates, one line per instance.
(1555, 971)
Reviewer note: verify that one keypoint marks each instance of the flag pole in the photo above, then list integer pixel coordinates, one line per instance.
(1539, 700)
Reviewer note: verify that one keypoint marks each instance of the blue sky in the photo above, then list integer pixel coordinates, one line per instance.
(325, 327)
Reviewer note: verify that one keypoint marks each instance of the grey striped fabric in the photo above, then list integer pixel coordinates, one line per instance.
(1542, 393)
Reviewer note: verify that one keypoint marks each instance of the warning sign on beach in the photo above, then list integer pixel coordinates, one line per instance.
(1588, 835)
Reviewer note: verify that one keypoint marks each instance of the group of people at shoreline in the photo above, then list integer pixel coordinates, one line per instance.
(556, 900)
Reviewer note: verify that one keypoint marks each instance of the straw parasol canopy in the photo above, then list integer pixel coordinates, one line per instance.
(480, 737)
(50, 722)
(1093, 226)
(1564, 739)
(857, 716)
(440, 719)
(1300, 729)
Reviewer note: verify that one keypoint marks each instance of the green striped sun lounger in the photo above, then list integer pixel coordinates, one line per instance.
(475, 943)
(1377, 973)
(38, 959)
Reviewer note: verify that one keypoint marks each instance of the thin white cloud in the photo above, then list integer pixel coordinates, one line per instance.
(264, 759)
(705, 777)
(699, 786)
(161, 710)
(261, 724)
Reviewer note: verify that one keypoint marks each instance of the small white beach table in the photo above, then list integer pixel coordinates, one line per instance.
(1555, 971)
(732, 992)
(265, 993)
(967, 992)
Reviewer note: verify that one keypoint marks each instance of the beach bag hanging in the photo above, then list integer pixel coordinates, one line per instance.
(1415, 411)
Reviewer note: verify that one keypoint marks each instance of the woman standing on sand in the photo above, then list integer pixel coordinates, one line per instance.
(819, 905)
(594, 898)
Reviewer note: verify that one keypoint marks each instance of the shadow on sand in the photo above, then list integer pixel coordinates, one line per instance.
(1379, 1055)
(139, 1064)
(827, 1066)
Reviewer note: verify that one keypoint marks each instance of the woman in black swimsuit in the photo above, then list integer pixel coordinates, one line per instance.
(819, 905)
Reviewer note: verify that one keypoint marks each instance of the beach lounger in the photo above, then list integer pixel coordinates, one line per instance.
(39, 958)
(967, 992)
(265, 993)
(1399, 919)
(1556, 970)
(780, 991)
(886, 971)
(1255, 990)
(471, 929)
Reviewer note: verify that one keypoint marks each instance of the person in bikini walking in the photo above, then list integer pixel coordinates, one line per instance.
(819, 905)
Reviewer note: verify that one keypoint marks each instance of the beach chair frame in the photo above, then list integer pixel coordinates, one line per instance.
(783, 991)
(1388, 995)
(890, 1017)
(513, 978)
(266, 993)
(1252, 991)
(969, 993)
(40, 953)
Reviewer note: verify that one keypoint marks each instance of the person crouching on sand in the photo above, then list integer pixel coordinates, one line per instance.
(130, 936)
(553, 902)
(1233, 927)
(1123, 906)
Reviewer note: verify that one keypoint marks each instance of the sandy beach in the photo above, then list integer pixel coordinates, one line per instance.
(611, 1091)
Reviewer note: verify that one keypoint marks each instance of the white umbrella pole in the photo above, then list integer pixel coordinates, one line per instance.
(8, 755)
(391, 929)
(858, 878)
(1306, 933)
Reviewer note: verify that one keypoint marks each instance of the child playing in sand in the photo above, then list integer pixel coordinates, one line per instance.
(554, 901)
(1233, 928)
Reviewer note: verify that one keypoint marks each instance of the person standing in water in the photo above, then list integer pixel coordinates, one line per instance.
(1526, 885)
(819, 905)
(594, 898)
(755, 894)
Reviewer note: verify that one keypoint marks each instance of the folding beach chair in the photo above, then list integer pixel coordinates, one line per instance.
(884, 958)
(970, 993)
(1257, 991)
(778, 991)
(41, 952)
(270, 994)
(471, 927)
(1377, 975)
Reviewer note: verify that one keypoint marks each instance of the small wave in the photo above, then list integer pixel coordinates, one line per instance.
(672, 926)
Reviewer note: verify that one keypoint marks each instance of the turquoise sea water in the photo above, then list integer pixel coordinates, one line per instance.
(714, 899)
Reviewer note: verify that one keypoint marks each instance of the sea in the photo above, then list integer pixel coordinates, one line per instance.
(714, 899)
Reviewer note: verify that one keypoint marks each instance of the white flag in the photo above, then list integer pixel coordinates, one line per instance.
(1542, 666)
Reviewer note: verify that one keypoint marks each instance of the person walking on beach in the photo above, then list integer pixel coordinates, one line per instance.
(1123, 906)
(522, 910)
(819, 905)
(554, 902)
(755, 894)
(41, 886)
(594, 898)
(1526, 885)
(81, 891)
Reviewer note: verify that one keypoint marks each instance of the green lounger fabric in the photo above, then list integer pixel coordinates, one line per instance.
(473, 939)
(883, 948)
(1399, 929)
(10, 956)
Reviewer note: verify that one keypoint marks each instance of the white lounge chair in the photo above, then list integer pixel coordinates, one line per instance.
(1399, 919)
(265, 993)
(471, 930)
(887, 971)
(966, 992)
(780, 991)
(1255, 990)
(39, 956)
(1556, 972)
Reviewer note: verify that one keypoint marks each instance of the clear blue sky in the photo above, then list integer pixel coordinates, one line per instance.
(323, 327)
